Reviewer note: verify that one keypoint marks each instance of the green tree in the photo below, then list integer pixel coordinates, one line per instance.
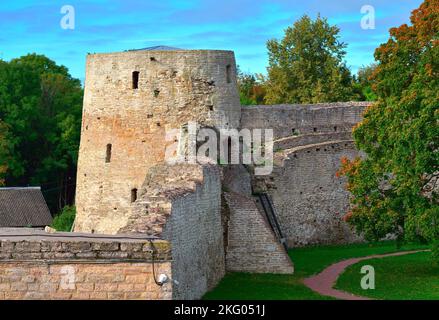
(395, 187)
(363, 83)
(41, 104)
(251, 88)
(5, 148)
(307, 65)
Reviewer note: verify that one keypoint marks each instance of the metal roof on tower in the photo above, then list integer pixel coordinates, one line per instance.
(158, 48)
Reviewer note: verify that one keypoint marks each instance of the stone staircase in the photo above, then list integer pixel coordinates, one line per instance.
(252, 245)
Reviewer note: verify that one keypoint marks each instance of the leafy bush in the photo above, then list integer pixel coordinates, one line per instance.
(64, 220)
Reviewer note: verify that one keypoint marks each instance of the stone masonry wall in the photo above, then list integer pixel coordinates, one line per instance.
(310, 141)
(309, 198)
(174, 87)
(288, 120)
(23, 280)
(310, 138)
(57, 267)
(196, 234)
(182, 204)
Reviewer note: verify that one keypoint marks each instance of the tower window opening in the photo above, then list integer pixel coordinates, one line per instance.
(133, 195)
(135, 79)
(315, 129)
(108, 154)
(229, 73)
(335, 128)
(229, 149)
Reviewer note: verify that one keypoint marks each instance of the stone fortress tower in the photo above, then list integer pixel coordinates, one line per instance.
(217, 218)
(131, 99)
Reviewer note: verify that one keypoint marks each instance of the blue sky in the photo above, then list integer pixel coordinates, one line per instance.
(240, 25)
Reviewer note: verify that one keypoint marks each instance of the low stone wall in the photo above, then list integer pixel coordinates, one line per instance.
(118, 281)
(76, 266)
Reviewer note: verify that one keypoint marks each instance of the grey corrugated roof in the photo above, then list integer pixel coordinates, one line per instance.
(158, 48)
(23, 207)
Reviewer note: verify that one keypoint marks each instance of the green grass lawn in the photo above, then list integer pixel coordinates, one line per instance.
(307, 261)
(413, 276)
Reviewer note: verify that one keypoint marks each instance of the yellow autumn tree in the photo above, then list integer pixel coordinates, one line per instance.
(395, 188)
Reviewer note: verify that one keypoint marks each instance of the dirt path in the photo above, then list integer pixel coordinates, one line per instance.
(323, 282)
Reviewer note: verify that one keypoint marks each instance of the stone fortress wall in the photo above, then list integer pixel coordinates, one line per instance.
(182, 203)
(310, 141)
(309, 198)
(206, 216)
(173, 88)
(297, 120)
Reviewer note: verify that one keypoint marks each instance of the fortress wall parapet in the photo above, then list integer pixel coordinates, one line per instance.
(309, 139)
(287, 120)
